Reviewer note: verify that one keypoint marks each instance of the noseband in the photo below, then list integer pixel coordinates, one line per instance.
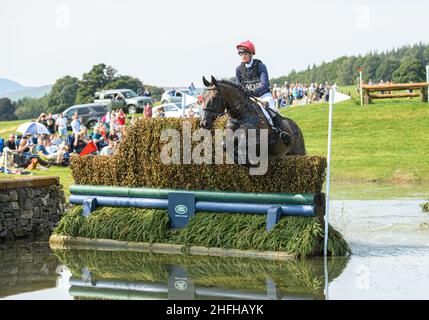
(217, 113)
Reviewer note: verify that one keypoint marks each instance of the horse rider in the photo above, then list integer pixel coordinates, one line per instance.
(252, 74)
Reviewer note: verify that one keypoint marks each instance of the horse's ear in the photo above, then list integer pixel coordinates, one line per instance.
(206, 83)
(214, 82)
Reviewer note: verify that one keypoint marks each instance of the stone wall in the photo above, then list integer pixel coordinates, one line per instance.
(26, 266)
(30, 207)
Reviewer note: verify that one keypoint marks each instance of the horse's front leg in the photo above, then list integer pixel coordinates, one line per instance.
(233, 143)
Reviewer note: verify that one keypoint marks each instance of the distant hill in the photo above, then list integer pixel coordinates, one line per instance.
(32, 92)
(7, 85)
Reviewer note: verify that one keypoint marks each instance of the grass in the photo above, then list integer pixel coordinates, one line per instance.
(9, 127)
(299, 236)
(64, 173)
(387, 141)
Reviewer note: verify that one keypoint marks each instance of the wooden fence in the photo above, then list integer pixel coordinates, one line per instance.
(385, 91)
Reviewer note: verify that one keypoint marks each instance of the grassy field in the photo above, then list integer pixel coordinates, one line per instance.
(63, 173)
(386, 142)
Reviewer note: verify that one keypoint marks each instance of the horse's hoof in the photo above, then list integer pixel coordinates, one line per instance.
(286, 138)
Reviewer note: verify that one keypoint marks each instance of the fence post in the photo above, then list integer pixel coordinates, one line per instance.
(427, 80)
(360, 85)
(5, 155)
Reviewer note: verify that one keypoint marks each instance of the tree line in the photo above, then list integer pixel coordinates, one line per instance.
(401, 65)
(68, 91)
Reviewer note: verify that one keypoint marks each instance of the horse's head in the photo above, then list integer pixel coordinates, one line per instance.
(213, 104)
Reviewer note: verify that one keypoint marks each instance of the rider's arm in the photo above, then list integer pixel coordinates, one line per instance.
(238, 75)
(265, 82)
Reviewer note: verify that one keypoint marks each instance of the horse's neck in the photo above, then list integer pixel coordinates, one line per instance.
(239, 107)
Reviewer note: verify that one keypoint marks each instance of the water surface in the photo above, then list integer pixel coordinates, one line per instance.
(389, 240)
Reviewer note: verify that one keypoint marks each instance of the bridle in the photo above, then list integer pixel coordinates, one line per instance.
(217, 113)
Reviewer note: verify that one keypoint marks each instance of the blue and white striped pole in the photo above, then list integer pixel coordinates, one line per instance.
(328, 190)
(328, 176)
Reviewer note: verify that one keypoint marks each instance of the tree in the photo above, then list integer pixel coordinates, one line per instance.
(370, 66)
(376, 66)
(125, 82)
(96, 79)
(411, 69)
(387, 68)
(7, 110)
(31, 108)
(426, 55)
(63, 94)
(156, 92)
(345, 72)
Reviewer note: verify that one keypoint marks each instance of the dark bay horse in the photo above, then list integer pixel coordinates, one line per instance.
(244, 113)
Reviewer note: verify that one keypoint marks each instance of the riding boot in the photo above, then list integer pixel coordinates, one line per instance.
(278, 123)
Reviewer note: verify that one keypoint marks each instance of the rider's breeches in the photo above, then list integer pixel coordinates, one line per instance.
(268, 97)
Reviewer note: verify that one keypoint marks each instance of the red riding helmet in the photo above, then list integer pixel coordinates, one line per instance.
(248, 45)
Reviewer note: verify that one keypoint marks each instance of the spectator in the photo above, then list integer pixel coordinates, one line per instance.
(10, 143)
(56, 157)
(108, 150)
(79, 144)
(106, 120)
(192, 89)
(84, 133)
(276, 95)
(61, 124)
(50, 147)
(148, 110)
(42, 119)
(189, 112)
(121, 119)
(50, 125)
(24, 145)
(113, 136)
(146, 93)
(113, 123)
(161, 112)
(75, 124)
(98, 138)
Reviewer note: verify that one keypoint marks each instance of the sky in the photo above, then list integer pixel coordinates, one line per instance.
(174, 43)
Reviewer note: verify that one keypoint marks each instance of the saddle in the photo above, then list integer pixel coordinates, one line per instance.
(265, 106)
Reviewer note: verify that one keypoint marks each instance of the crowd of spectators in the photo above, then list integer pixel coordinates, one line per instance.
(295, 94)
(66, 137)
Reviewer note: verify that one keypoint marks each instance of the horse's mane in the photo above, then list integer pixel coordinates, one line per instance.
(234, 85)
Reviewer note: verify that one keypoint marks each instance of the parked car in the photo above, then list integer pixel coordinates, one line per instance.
(125, 99)
(90, 113)
(175, 95)
(174, 111)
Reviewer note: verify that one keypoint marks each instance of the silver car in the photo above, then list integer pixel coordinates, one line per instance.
(175, 95)
(125, 99)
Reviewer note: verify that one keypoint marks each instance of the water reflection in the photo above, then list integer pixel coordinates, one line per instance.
(137, 275)
(25, 267)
